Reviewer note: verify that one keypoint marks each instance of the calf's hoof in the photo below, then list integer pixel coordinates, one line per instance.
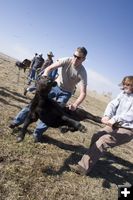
(82, 129)
(64, 129)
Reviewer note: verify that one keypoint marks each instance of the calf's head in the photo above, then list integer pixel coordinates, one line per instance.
(44, 85)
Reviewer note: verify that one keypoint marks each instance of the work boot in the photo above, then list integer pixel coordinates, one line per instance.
(20, 138)
(13, 125)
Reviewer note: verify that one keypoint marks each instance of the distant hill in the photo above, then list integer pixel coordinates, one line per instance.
(2, 55)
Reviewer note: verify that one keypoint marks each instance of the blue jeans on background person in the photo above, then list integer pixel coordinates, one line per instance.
(31, 88)
(59, 95)
(52, 75)
(32, 76)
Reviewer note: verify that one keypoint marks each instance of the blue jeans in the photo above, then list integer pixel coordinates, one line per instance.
(21, 116)
(32, 75)
(59, 95)
(31, 88)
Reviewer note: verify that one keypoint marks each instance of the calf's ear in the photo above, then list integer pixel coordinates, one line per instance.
(54, 84)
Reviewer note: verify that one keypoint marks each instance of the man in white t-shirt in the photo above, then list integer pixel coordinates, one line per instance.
(72, 73)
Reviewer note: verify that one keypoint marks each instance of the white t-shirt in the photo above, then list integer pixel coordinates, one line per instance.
(71, 76)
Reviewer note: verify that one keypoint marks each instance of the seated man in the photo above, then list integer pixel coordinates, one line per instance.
(118, 118)
(73, 72)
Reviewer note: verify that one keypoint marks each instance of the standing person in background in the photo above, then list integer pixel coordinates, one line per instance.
(53, 74)
(48, 62)
(73, 72)
(30, 69)
(118, 112)
(36, 63)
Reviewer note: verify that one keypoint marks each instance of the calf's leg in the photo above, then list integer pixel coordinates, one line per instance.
(27, 122)
(73, 124)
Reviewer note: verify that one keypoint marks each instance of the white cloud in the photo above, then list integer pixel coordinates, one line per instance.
(16, 50)
(100, 83)
(21, 52)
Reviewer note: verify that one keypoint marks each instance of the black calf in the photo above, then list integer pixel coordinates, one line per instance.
(52, 113)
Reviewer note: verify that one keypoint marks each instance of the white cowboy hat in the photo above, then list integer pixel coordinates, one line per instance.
(50, 54)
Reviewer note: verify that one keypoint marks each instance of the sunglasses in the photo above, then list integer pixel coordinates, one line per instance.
(78, 57)
(127, 84)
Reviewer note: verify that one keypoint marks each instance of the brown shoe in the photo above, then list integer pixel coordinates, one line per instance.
(78, 169)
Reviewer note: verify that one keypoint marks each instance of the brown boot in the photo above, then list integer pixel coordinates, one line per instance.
(78, 169)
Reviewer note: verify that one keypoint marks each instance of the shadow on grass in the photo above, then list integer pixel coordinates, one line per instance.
(8, 93)
(104, 168)
(7, 103)
(5, 93)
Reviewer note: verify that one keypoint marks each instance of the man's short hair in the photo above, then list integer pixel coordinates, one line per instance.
(83, 50)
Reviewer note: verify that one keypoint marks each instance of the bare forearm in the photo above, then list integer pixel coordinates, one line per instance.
(80, 99)
(51, 67)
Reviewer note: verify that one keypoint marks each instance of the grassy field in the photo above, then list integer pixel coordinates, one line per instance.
(40, 171)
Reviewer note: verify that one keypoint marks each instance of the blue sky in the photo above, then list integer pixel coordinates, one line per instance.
(104, 27)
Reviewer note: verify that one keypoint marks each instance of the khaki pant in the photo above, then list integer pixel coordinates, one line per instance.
(101, 141)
